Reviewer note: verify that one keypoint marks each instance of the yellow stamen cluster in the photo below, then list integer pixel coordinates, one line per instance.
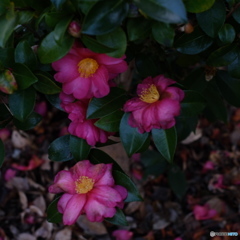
(84, 184)
(87, 67)
(150, 94)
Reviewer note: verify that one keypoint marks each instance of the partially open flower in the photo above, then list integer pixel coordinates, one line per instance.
(86, 74)
(74, 29)
(156, 106)
(88, 189)
(122, 234)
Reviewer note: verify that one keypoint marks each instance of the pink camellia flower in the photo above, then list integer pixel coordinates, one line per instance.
(74, 29)
(122, 234)
(156, 105)
(88, 189)
(203, 212)
(86, 74)
(80, 126)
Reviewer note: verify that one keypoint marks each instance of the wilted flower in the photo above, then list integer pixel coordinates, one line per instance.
(122, 234)
(88, 189)
(41, 108)
(156, 105)
(209, 165)
(4, 134)
(8, 82)
(203, 212)
(86, 74)
(80, 126)
(74, 29)
(33, 163)
(9, 174)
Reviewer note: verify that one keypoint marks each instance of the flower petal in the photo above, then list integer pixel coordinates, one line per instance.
(63, 201)
(103, 175)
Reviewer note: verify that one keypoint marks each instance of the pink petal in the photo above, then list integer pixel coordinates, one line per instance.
(63, 201)
(63, 182)
(73, 209)
(173, 93)
(104, 59)
(134, 104)
(80, 169)
(162, 82)
(122, 234)
(104, 177)
(122, 191)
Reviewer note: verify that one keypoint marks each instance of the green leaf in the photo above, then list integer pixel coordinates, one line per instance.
(165, 141)
(24, 76)
(97, 156)
(229, 87)
(236, 15)
(61, 28)
(22, 103)
(95, 46)
(138, 29)
(197, 6)
(5, 116)
(227, 34)
(223, 56)
(53, 216)
(125, 181)
(4, 6)
(85, 5)
(53, 18)
(8, 82)
(54, 100)
(177, 181)
(2, 153)
(118, 219)
(192, 104)
(213, 19)
(7, 57)
(131, 139)
(110, 122)
(100, 107)
(24, 54)
(50, 50)
(162, 11)
(79, 148)
(46, 84)
(58, 3)
(104, 17)
(193, 43)
(116, 40)
(7, 25)
(234, 67)
(59, 149)
(25, 16)
(30, 122)
(163, 33)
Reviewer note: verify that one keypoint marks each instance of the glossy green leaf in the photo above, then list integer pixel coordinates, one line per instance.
(95, 46)
(85, 5)
(131, 139)
(118, 219)
(227, 34)
(223, 56)
(125, 181)
(2, 153)
(111, 122)
(54, 100)
(213, 19)
(25, 16)
(58, 3)
(5, 116)
(104, 17)
(236, 15)
(59, 149)
(197, 6)
(163, 33)
(79, 148)
(50, 50)
(53, 18)
(53, 216)
(116, 40)
(177, 181)
(192, 104)
(229, 87)
(193, 43)
(138, 29)
(24, 76)
(97, 156)
(162, 11)
(100, 107)
(30, 122)
(61, 28)
(234, 67)
(46, 84)
(22, 103)
(165, 141)
(7, 57)
(24, 54)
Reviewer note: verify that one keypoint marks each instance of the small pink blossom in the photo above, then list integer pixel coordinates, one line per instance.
(4, 134)
(88, 189)
(203, 212)
(209, 165)
(86, 74)
(80, 126)
(41, 108)
(74, 29)
(9, 174)
(122, 234)
(157, 104)
(33, 163)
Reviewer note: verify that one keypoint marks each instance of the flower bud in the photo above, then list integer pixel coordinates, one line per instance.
(74, 29)
(8, 82)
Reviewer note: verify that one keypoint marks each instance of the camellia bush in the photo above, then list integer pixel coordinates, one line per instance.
(142, 71)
